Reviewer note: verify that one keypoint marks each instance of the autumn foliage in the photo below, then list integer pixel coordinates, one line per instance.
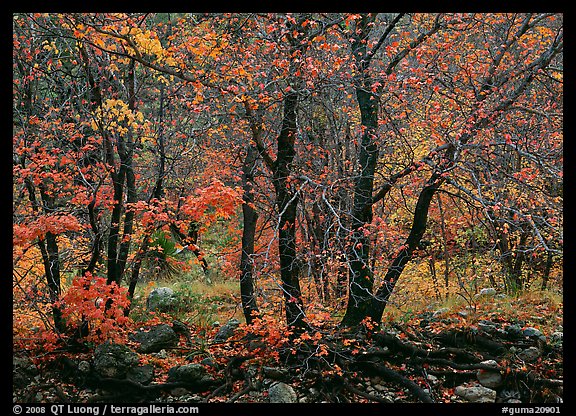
(336, 169)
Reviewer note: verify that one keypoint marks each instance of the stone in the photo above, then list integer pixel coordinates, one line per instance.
(432, 379)
(529, 354)
(114, 360)
(274, 373)
(488, 291)
(487, 326)
(439, 312)
(209, 362)
(155, 338)
(557, 337)
(379, 387)
(476, 394)
(162, 354)
(143, 374)
(281, 393)
(489, 378)
(23, 371)
(531, 332)
(179, 392)
(514, 331)
(161, 299)
(84, 367)
(190, 373)
(226, 330)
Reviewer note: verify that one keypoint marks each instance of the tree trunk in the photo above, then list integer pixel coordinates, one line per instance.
(287, 202)
(405, 254)
(51, 260)
(250, 218)
(360, 275)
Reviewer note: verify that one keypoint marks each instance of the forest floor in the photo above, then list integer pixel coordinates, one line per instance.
(490, 348)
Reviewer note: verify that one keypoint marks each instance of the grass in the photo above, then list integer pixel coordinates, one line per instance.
(199, 303)
(204, 301)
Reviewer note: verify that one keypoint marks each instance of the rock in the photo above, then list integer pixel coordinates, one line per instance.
(514, 331)
(476, 394)
(531, 332)
(509, 396)
(557, 338)
(190, 373)
(529, 354)
(114, 360)
(209, 362)
(143, 374)
(389, 397)
(439, 312)
(155, 338)
(84, 367)
(281, 393)
(178, 391)
(501, 296)
(463, 314)
(161, 299)
(488, 378)
(488, 291)
(162, 354)
(303, 400)
(274, 373)
(432, 379)
(379, 387)
(487, 326)
(227, 330)
(23, 371)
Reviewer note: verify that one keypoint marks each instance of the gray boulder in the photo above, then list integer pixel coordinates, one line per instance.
(531, 332)
(161, 299)
(155, 338)
(556, 338)
(529, 354)
(114, 360)
(476, 394)
(143, 374)
(190, 373)
(226, 330)
(440, 312)
(489, 378)
(488, 291)
(281, 393)
(23, 371)
(514, 331)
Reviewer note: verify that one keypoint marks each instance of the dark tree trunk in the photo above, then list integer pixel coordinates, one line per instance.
(114, 233)
(250, 219)
(51, 259)
(118, 249)
(360, 282)
(360, 277)
(396, 268)
(547, 268)
(287, 202)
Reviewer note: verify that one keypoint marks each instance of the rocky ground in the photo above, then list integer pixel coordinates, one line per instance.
(437, 357)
